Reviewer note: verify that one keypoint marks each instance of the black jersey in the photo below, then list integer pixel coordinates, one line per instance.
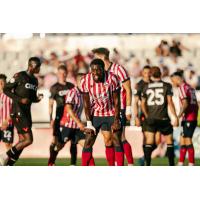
(58, 92)
(156, 94)
(22, 85)
(139, 88)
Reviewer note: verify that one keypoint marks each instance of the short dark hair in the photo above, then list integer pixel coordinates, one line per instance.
(177, 73)
(146, 67)
(63, 67)
(97, 62)
(3, 77)
(36, 60)
(102, 51)
(155, 72)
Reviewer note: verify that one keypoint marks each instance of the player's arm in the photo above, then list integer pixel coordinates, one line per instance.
(51, 103)
(10, 86)
(127, 87)
(144, 107)
(125, 80)
(136, 106)
(37, 98)
(184, 107)
(73, 115)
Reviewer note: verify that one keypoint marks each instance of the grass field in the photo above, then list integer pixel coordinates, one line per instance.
(99, 162)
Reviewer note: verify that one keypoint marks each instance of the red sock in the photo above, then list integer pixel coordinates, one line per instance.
(92, 163)
(86, 156)
(128, 152)
(110, 155)
(190, 149)
(119, 156)
(183, 151)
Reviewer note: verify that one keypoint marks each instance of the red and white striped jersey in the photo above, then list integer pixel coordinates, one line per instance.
(101, 94)
(187, 92)
(74, 98)
(5, 108)
(122, 76)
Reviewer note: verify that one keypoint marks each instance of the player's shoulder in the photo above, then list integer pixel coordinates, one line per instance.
(69, 85)
(167, 84)
(19, 74)
(54, 86)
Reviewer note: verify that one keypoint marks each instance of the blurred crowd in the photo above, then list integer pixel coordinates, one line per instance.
(169, 56)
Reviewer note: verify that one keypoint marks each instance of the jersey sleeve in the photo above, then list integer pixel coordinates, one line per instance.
(169, 90)
(137, 90)
(52, 93)
(143, 93)
(83, 85)
(11, 86)
(122, 74)
(115, 84)
(35, 97)
(70, 96)
(183, 92)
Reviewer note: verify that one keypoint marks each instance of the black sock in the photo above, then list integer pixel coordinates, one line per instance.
(73, 151)
(170, 154)
(53, 154)
(13, 155)
(147, 153)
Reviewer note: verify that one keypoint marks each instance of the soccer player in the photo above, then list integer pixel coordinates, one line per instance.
(188, 113)
(58, 92)
(6, 126)
(22, 89)
(156, 97)
(71, 127)
(102, 89)
(125, 96)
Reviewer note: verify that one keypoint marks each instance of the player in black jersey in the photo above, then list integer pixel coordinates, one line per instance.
(57, 94)
(22, 89)
(156, 97)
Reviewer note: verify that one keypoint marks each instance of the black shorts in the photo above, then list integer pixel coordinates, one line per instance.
(102, 123)
(66, 134)
(7, 135)
(188, 128)
(157, 125)
(22, 123)
(123, 117)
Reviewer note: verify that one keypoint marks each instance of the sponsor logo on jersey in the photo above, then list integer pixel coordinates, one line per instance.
(62, 92)
(30, 86)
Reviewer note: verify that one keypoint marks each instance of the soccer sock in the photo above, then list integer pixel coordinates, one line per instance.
(183, 151)
(170, 154)
(86, 156)
(110, 155)
(13, 155)
(190, 150)
(73, 152)
(91, 162)
(53, 154)
(147, 153)
(128, 152)
(119, 156)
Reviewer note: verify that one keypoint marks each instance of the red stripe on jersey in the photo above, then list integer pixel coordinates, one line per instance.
(5, 108)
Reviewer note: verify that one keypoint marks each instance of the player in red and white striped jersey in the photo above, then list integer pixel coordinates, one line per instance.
(102, 89)
(189, 113)
(125, 95)
(71, 127)
(6, 127)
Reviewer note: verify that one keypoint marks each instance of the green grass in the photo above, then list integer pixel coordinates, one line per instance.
(99, 162)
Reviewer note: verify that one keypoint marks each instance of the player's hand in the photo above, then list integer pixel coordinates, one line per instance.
(116, 125)
(25, 101)
(128, 113)
(52, 123)
(128, 117)
(90, 128)
(137, 122)
(176, 122)
(81, 126)
(4, 125)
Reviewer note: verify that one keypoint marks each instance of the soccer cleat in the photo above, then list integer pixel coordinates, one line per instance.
(51, 164)
(190, 164)
(3, 160)
(180, 164)
(130, 164)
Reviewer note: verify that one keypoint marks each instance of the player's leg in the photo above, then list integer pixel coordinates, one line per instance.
(73, 152)
(189, 131)
(170, 149)
(148, 146)
(126, 145)
(87, 148)
(7, 137)
(183, 150)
